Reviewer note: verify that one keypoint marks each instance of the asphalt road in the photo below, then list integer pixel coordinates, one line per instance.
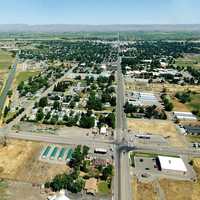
(121, 177)
(56, 139)
(7, 87)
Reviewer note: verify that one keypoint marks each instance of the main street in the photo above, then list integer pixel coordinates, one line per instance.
(121, 178)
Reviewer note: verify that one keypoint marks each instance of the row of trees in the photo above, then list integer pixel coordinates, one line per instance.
(167, 102)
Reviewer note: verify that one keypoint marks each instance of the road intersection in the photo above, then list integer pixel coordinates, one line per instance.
(122, 145)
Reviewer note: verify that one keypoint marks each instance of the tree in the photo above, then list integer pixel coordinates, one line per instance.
(94, 103)
(110, 120)
(85, 151)
(39, 114)
(107, 172)
(10, 93)
(169, 106)
(6, 110)
(113, 101)
(43, 102)
(87, 121)
(56, 105)
(77, 157)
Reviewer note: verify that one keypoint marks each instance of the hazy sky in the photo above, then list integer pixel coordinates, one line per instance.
(100, 11)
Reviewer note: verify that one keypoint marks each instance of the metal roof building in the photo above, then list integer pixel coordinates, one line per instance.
(143, 99)
(170, 164)
(184, 115)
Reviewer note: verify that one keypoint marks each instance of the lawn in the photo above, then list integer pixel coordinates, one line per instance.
(23, 76)
(193, 138)
(6, 60)
(194, 104)
(3, 187)
(189, 60)
(103, 188)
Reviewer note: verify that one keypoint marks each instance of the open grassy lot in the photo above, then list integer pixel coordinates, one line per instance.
(158, 127)
(192, 60)
(193, 138)
(3, 190)
(194, 104)
(178, 106)
(23, 76)
(19, 161)
(179, 190)
(154, 87)
(143, 191)
(103, 188)
(6, 60)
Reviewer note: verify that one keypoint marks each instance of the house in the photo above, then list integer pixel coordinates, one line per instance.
(91, 186)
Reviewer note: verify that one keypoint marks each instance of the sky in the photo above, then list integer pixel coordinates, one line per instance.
(100, 12)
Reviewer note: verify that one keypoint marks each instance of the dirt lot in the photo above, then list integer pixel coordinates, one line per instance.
(170, 88)
(19, 161)
(143, 191)
(178, 106)
(22, 191)
(172, 189)
(178, 190)
(159, 127)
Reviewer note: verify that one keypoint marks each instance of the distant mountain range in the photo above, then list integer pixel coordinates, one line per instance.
(60, 28)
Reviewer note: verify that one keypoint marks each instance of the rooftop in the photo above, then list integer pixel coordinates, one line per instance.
(172, 163)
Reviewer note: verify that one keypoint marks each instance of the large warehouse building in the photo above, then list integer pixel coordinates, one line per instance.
(171, 164)
(184, 116)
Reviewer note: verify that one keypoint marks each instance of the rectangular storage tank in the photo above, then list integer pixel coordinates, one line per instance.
(69, 155)
(61, 154)
(46, 152)
(53, 154)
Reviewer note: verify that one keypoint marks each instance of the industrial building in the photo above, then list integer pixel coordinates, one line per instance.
(184, 116)
(143, 99)
(171, 164)
(192, 130)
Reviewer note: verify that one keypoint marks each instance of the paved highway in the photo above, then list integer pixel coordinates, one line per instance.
(122, 177)
(57, 139)
(7, 87)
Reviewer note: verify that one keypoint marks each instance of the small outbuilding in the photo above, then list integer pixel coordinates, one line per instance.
(103, 130)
